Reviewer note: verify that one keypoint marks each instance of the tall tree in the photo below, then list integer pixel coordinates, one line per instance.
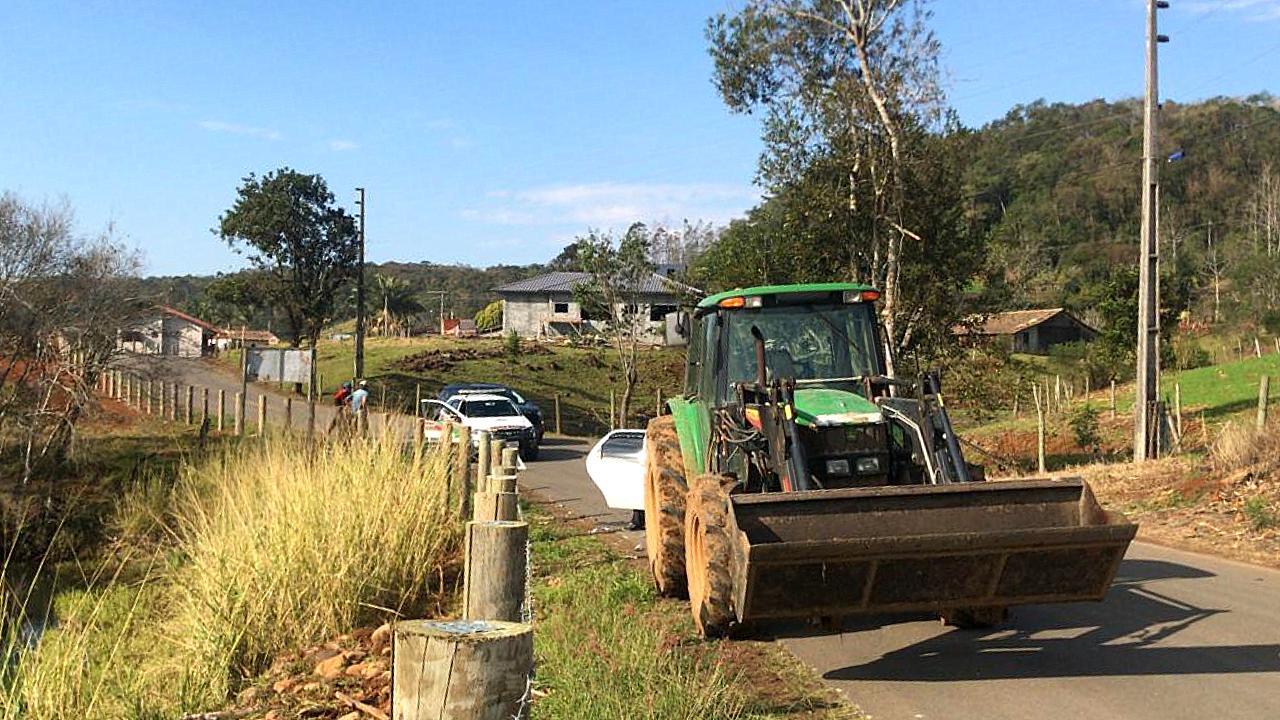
(618, 269)
(842, 83)
(287, 224)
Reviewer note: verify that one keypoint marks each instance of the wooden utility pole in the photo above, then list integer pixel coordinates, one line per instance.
(360, 316)
(1146, 423)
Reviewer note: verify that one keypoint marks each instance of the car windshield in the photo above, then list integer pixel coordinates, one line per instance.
(622, 444)
(488, 408)
(805, 342)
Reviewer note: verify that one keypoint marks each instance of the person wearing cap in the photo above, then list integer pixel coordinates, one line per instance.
(359, 401)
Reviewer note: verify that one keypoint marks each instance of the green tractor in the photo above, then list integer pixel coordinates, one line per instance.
(795, 478)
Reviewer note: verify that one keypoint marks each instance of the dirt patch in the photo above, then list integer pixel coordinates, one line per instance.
(1182, 502)
(349, 674)
(444, 360)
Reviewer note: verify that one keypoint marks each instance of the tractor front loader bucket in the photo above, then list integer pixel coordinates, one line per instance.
(912, 548)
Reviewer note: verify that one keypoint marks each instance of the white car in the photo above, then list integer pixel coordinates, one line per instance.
(616, 466)
(493, 413)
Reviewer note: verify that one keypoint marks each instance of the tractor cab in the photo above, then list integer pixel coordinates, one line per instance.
(797, 373)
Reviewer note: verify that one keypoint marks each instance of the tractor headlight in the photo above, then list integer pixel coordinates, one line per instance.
(837, 468)
(868, 465)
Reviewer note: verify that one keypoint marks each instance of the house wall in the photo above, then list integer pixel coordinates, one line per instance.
(164, 335)
(536, 316)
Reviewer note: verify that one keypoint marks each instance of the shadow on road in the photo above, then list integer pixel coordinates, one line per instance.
(560, 450)
(1113, 638)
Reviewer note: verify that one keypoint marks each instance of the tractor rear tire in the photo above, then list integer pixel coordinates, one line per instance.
(707, 555)
(664, 500)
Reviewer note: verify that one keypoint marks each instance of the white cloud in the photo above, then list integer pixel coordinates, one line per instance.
(1255, 10)
(238, 129)
(341, 145)
(615, 204)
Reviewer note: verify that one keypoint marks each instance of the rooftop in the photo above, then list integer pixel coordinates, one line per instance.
(1009, 323)
(553, 282)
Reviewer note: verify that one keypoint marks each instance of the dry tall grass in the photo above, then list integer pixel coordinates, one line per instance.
(285, 547)
(1241, 445)
(273, 546)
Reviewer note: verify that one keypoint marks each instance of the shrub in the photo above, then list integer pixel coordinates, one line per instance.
(511, 344)
(490, 317)
(1260, 515)
(1084, 426)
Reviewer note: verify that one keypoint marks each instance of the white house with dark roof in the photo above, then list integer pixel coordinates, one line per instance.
(544, 307)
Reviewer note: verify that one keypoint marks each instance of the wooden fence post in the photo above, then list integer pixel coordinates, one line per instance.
(1177, 408)
(613, 409)
(463, 470)
(1264, 387)
(461, 670)
(173, 403)
(484, 456)
(1039, 428)
(288, 413)
(559, 429)
(191, 404)
(222, 408)
(204, 405)
(494, 505)
(495, 570)
(657, 411)
(1257, 347)
(262, 415)
(1113, 399)
(239, 419)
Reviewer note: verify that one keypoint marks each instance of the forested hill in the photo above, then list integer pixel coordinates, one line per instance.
(1049, 216)
(467, 290)
(1054, 193)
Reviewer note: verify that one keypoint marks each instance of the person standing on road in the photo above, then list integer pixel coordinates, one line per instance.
(360, 405)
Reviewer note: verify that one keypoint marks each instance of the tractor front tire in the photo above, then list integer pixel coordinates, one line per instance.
(707, 555)
(664, 500)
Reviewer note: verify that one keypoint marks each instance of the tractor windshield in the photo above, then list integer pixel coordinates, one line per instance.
(805, 342)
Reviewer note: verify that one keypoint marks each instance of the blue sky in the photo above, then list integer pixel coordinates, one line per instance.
(489, 132)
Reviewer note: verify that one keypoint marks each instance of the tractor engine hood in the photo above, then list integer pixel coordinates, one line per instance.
(825, 407)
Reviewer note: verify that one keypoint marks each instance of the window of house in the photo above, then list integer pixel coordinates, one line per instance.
(658, 313)
(561, 308)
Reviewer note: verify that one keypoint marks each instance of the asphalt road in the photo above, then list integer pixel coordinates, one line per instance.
(1180, 635)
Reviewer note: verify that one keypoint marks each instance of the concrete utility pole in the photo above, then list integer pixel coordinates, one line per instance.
(1146, 420)
(359, 367)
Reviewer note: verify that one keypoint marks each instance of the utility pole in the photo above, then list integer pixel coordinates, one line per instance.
(1146, 420)
(359, 368)
(441, 293)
